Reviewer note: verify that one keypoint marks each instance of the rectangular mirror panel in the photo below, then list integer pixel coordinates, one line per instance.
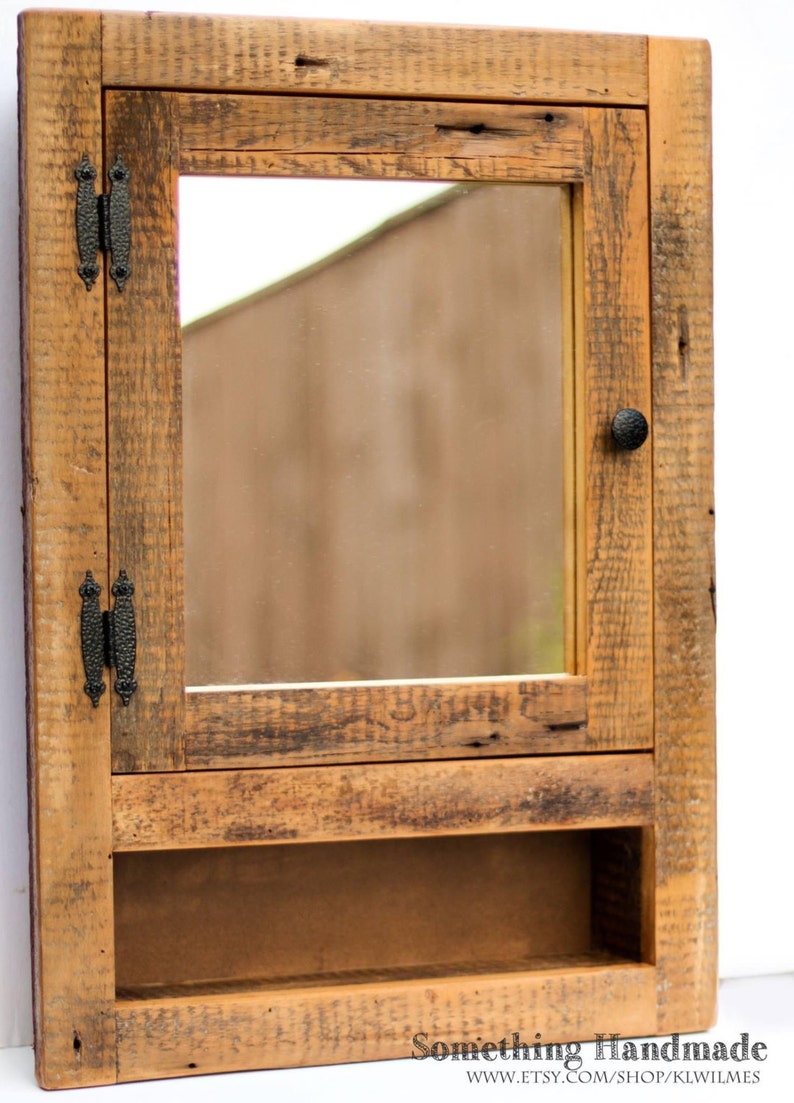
(373, 438)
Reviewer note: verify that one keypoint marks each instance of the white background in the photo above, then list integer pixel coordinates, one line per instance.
(754, 303)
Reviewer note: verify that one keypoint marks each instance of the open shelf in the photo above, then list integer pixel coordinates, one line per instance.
(301, 953)
(358, 906)
(305, 915)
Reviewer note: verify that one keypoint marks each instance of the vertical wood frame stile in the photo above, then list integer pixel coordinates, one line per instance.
(621, 746)
(65, 504)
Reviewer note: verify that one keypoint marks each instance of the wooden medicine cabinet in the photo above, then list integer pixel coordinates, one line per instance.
(401, 553)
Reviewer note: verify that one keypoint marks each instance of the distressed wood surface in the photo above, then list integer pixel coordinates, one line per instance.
(308, 803)
(298, 135)
(686, 894)
(198, 1034)
(618, 520)
(343, 58)
(299, 725)
(145, 436)
(63, 362)
(621, 896)
(556, 963)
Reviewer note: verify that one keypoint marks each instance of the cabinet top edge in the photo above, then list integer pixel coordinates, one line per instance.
(329, 56)
(273, 54)
(175, 19)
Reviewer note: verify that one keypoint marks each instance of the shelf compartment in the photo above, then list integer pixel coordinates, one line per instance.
(315, 804)
(235, 957)
(259, 913)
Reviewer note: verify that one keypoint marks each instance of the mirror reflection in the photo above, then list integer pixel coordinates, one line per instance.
(373, 475)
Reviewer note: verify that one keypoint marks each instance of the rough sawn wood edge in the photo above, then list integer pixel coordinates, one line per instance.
(191, 1035)
(684, 588)
(63, 368)
(337, 57)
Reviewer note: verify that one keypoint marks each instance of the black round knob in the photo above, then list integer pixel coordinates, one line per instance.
(629, 429)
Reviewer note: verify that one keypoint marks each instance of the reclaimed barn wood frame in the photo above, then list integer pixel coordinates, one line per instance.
(609, 766)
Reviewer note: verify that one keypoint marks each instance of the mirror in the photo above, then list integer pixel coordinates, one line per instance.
(373, 453)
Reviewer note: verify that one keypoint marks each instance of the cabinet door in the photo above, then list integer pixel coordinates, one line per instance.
(592, 689)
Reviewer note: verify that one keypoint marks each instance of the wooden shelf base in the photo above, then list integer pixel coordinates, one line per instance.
(354, 1016)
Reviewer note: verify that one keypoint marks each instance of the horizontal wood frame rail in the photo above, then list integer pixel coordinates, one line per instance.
(305, 725)
(315, 804)
(237, 54)
(300, 135)
(190, 1035)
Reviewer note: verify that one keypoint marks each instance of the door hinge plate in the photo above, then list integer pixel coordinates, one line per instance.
(103, 222)
(108, 639)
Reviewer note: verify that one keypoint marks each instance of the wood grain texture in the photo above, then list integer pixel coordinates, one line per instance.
(63, 363)
(619, 881)
(412, 60)
(314, 804)
(296, 725)
(216, 1033)
(298, 135)
(144, 436)
(558, 963)
(618, 522)
(306, 913)
(686, 898)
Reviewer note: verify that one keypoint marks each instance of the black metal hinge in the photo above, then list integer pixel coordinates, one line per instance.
(108, 639)
(103, 222)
